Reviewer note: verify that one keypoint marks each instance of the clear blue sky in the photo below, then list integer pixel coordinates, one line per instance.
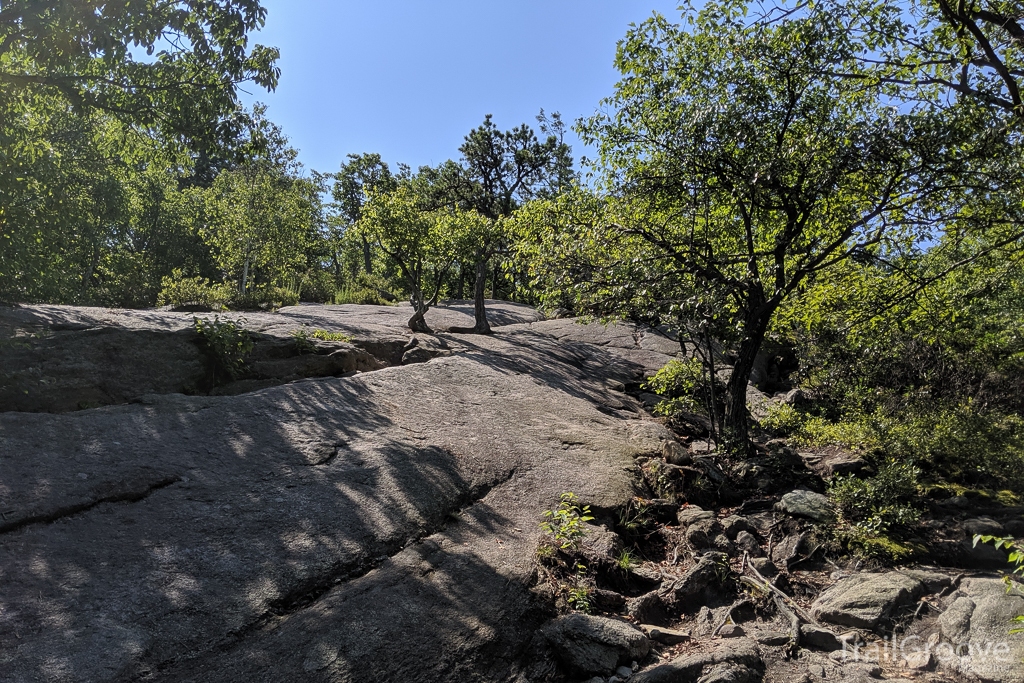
(409, 78)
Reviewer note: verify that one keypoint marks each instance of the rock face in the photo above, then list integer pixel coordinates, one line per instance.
(375, 527)
(594, 644)
(868, 600)
(975, 642)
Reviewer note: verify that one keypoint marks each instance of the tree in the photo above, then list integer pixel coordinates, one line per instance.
(738, 165)
(262, 214)
(361, 175)
(424, 245)
(500, 170)
(89, 52)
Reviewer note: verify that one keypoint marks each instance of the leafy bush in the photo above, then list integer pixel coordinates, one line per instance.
(960, 444)
(179, 291)
(781, 419)
(684, 386)
(566, 522)
(263, 298)
(366, 290)
(875, 512)
(324, 335)
(303, 338)
(317, 286)
(227, 344)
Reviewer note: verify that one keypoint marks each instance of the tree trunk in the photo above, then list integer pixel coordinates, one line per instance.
(417, 323)
(367, 260)
(479, 311)
(736, 424)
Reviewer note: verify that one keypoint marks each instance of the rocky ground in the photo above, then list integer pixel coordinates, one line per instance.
(368, 510)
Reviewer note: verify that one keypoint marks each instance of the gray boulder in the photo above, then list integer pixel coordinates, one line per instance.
(869, 600)
(976, 643)
(595, 644)
(737, 651)
(691, 513)
(801, 503)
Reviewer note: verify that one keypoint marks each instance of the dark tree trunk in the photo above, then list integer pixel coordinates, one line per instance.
(367, 260)
(736, 422)
(479, 311)
(417, 323)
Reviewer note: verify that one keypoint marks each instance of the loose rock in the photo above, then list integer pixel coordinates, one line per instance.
(868, 600)
(801, 503)
(595, 644)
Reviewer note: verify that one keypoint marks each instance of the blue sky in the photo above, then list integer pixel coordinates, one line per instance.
(408, 79)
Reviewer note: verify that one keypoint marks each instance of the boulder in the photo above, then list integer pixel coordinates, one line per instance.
(819, 638)
(869, 600)
(707, 534)
(676, 454)
(788, 549)
(691, 513)
(734, 524)
(595, 645)
(735, 651)
(746, 542)
(700, 580)
(974, 630)
(802, 503)
(599, 545)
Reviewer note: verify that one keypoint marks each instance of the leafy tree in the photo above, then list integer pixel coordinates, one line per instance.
(89, 52)
(360, 175)
(737, 165)
(423, 245)
(500, 170)
(263, 215)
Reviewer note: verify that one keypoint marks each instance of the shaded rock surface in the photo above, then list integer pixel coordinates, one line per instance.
(595, 644)
(309, 530)
(869, 600)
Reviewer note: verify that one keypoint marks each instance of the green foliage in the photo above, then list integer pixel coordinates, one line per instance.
(324, 335)
(565, 523)
(684, 384)
(303, 338)
(263, 298)
(875, 512)
(579, 593)
(82, 52)
(227, 343)
(625, 561)
(179, 291)
(422, 245)
(781, 419)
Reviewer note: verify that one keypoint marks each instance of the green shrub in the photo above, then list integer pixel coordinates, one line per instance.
(566, 522)
(324, 335)
(179, 291)
(263, 298)
(960, 444)
(303, 338)
(781, 419)
(684, 386)
(227, 344)
(875, 512)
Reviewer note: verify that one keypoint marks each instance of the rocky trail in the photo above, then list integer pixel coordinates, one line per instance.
(368, 510)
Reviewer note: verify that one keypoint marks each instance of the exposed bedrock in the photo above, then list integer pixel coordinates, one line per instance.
(374, 527)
